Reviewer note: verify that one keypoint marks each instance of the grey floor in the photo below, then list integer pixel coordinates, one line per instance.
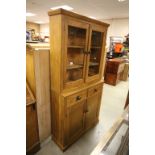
(113, 101)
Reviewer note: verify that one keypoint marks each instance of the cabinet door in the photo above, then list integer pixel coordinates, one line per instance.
(92, 107)
(96, 51)
(76, 41)
(75, 121)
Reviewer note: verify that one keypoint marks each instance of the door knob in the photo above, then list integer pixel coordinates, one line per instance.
(95, 90)
(78, 98)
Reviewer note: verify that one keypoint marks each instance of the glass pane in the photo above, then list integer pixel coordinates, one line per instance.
(76, 36)
(95, 53)
(75, 53)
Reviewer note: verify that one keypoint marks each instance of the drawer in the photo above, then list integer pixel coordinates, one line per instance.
(78, 97)
(94, 90)
(121, 68)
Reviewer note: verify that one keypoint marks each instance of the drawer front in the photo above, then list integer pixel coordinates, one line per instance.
(78, 97)
(121, 68)
(94, 90)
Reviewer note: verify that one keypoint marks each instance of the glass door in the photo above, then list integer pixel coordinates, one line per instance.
(77, 40)
(95, 53)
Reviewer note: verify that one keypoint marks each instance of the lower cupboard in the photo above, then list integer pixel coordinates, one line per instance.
(81, 111)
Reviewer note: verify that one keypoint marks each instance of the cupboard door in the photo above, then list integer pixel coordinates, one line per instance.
(96, 51)
(92, 109)
(76, 41)
(75, 120)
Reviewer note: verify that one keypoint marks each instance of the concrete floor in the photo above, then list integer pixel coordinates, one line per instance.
(113, 101)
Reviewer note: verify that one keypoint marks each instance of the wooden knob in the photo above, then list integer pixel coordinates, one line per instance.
(78, 98)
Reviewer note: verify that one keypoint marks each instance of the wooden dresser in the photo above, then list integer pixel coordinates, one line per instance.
(32, 133)
(77, 52)
(113, 71)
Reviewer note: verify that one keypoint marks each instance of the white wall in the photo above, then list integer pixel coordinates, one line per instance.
(44, 29)
(118, 27)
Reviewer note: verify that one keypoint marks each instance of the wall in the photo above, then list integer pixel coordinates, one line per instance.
(118, 27)
(44, 29)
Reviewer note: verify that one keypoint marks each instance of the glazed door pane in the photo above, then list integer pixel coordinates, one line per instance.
(76, 46)
(95, 53)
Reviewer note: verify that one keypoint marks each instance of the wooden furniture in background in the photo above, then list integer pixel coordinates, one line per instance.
(124, 75)
(32, 133)
(114, 68)
(76, 53)
(38, 78)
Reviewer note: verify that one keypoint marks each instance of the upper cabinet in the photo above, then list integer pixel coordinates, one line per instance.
(84, 52)
(80, 51)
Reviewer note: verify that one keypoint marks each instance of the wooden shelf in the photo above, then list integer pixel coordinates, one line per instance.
(74, 46)
(74, 67)
(91, 74)
(93, 64)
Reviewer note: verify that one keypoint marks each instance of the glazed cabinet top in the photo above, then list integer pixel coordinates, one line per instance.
(77, 50)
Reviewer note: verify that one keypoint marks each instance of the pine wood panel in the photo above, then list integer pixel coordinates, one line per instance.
(32, 134)
(94, 90)
(75, 120)
(56, 65)
(91, 111)
(42, 77)
(38, 77)
(93, 106)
